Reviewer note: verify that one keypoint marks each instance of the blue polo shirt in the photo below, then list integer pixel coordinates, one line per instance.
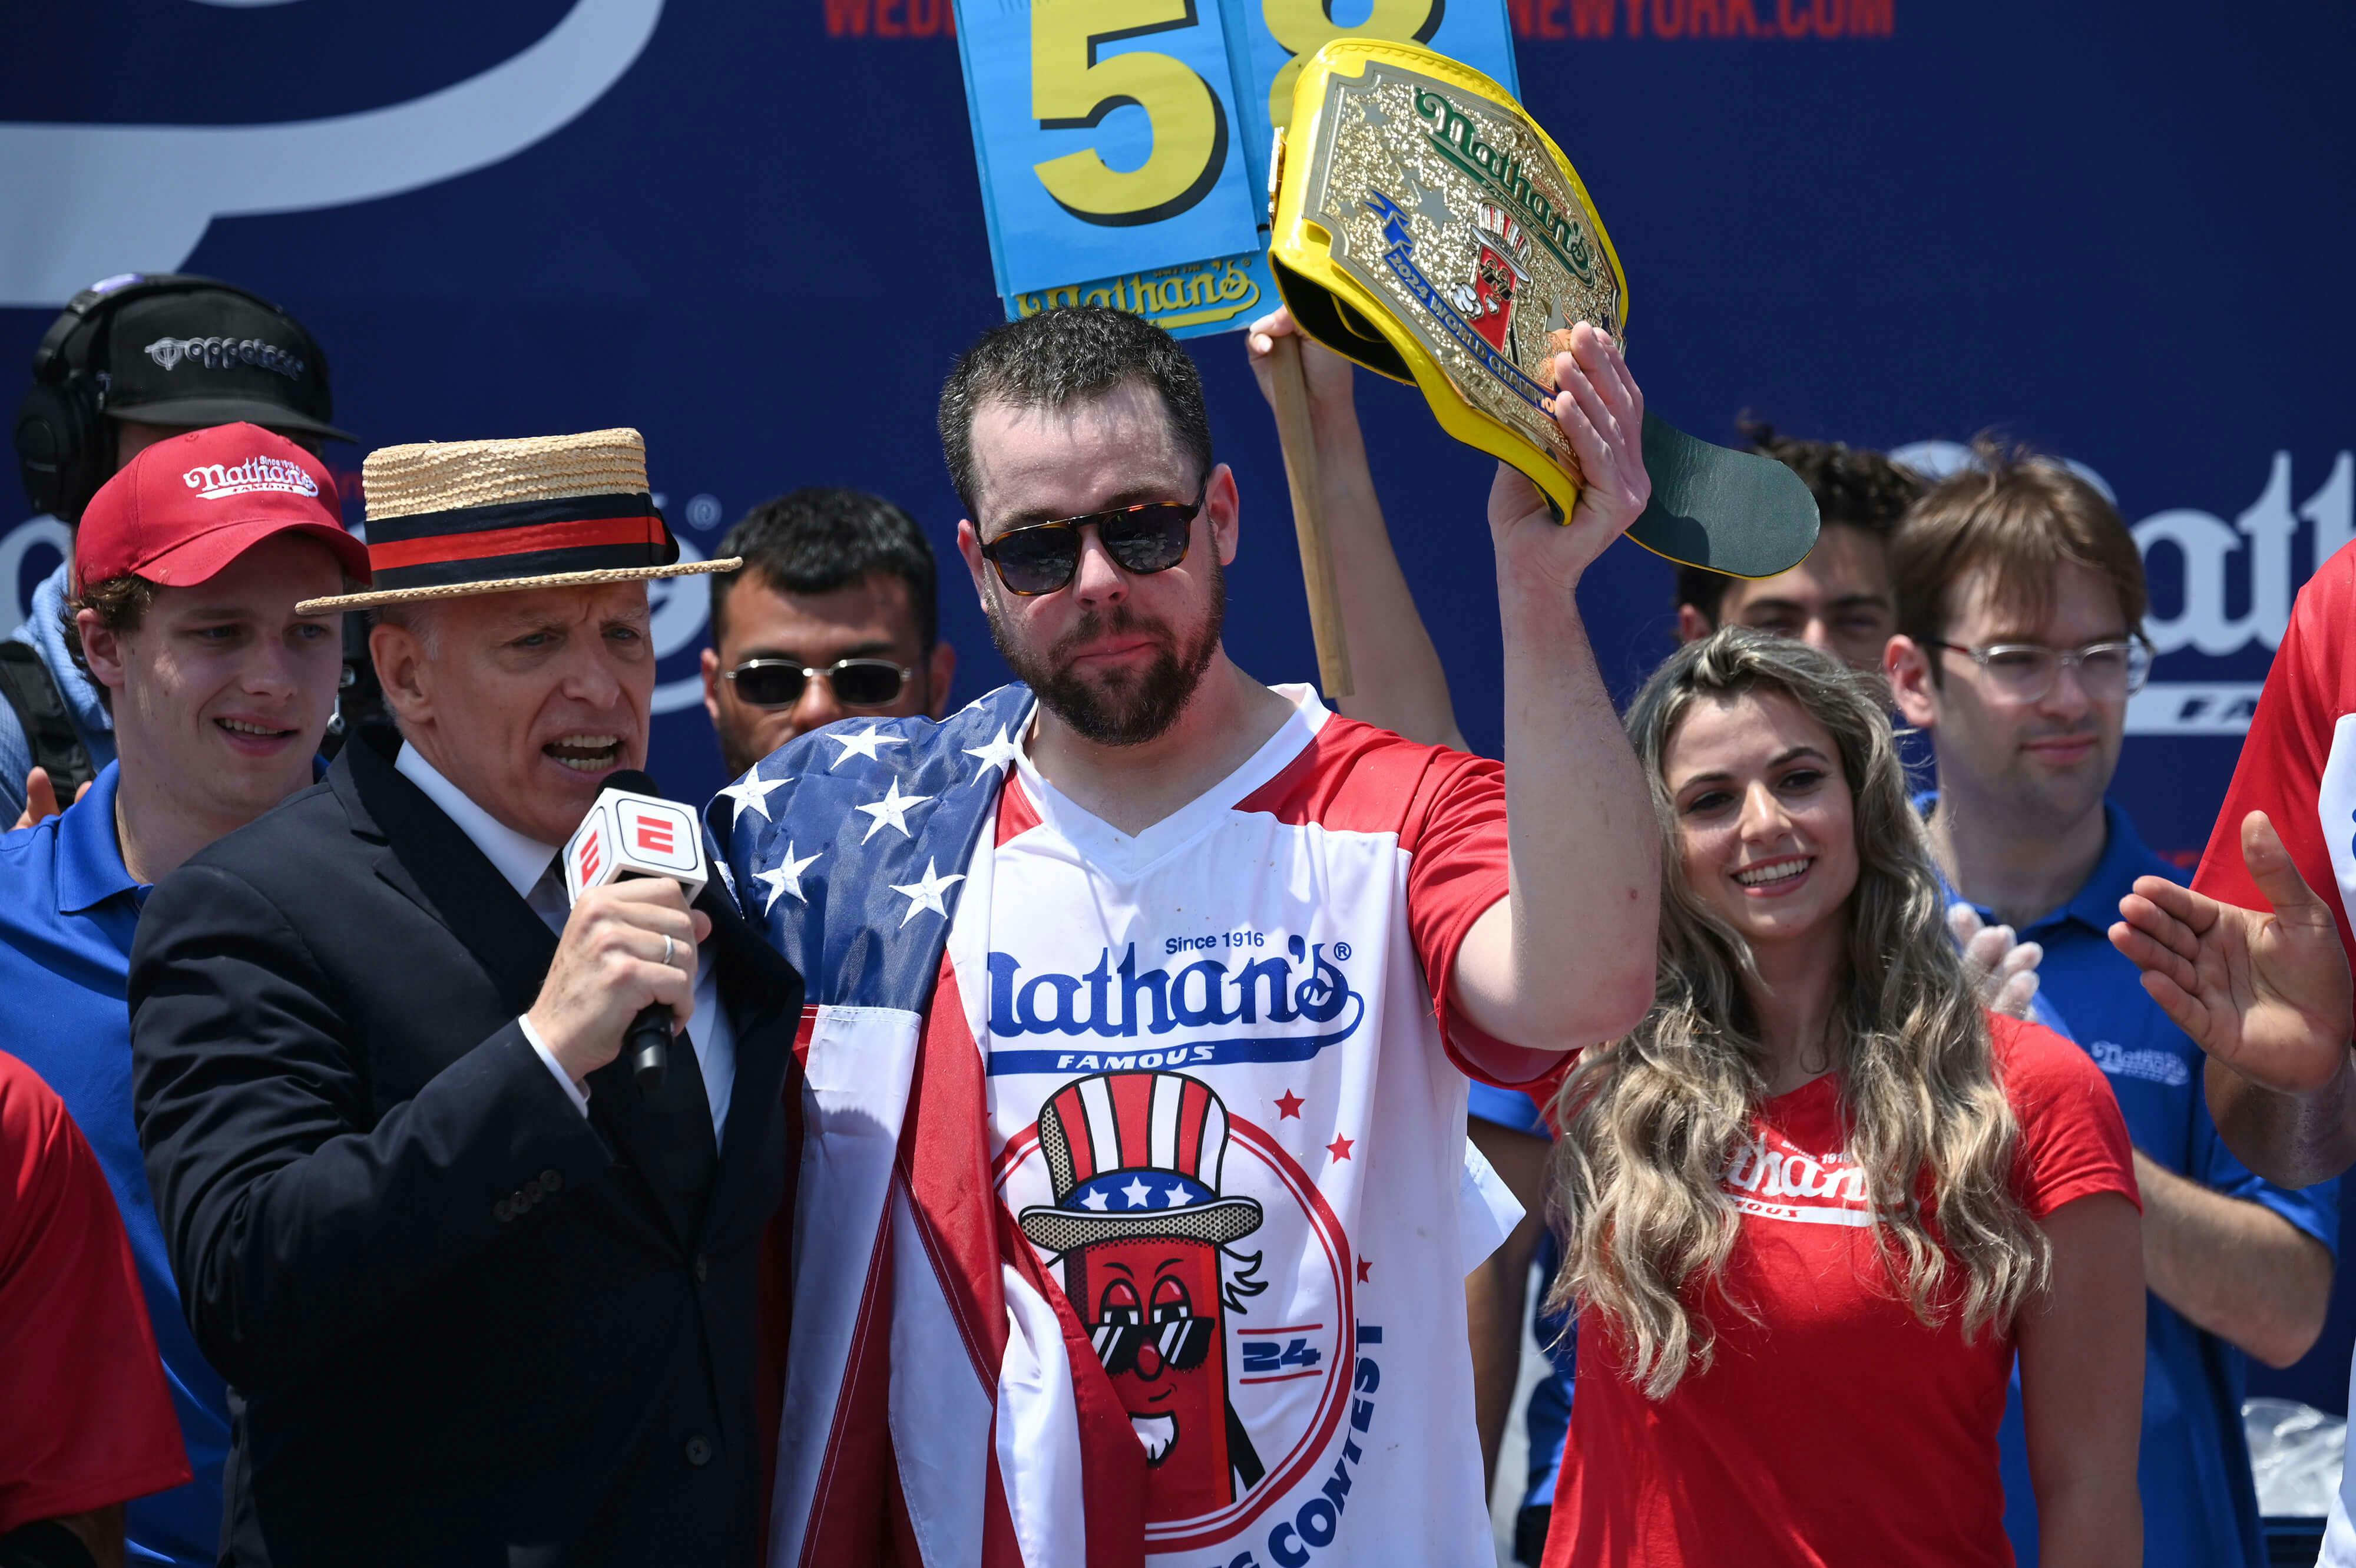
(2199, 1506)
(68, 909)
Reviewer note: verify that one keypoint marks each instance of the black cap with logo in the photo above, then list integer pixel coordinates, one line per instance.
(165, 349)
(213, 356)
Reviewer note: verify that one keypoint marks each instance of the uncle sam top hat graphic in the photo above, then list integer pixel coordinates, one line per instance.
(1136, 1154)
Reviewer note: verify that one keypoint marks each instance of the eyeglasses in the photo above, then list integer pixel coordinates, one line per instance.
(856, 683)
(1043, 557)
(1183, 1342)
(2025, 671)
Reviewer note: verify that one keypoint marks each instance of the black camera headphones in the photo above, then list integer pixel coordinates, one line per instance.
(65, 450)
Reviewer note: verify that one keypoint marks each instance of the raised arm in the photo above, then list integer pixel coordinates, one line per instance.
(2267, 996)
(1400, 682)
(1566, 960)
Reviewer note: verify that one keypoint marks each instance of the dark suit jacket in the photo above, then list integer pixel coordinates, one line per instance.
(463, 1323)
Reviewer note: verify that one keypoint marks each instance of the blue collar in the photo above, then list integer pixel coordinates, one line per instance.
(2095, 904)
(90, 855)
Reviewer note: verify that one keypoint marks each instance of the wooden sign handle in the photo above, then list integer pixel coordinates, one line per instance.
(1291, 395)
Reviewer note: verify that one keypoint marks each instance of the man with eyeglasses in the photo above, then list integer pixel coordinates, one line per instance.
(1133, 1220)
(2020, 603)
(835, 613)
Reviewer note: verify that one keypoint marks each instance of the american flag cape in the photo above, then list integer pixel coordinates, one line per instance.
(943, 1403)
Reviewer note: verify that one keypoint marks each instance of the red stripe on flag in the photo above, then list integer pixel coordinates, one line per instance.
(493, 542)
(1016, 813)
(849, 1508)
(943, 1156)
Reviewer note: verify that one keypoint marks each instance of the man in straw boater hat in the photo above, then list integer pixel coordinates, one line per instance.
(478, 1298)
(1132, 1226)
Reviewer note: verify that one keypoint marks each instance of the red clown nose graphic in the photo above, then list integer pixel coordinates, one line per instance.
(1143, 1232)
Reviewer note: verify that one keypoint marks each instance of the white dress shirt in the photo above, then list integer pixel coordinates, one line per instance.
(523, 862)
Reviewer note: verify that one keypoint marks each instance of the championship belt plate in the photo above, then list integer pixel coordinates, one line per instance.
(1425, 226)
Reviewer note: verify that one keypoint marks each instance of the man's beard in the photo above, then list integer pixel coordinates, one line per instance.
(1129, 709)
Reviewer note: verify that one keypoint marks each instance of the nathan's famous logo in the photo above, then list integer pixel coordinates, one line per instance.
(1138, 1186)
(214, 480)
(1451, 135)
(1296, 1006)
(1170, 297)
(1487, 301)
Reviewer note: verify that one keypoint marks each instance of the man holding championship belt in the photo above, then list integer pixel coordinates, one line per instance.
(1128, 1223)
(479, 1297)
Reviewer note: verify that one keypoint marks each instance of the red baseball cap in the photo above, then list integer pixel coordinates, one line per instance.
(184, 508)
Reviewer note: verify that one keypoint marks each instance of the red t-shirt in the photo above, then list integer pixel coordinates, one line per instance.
(85, 1415)
(1835, 1430)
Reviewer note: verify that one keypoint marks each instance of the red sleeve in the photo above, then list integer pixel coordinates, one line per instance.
(2074, 1140)
(2284, 759)
(90, 1420)
(1455, 838)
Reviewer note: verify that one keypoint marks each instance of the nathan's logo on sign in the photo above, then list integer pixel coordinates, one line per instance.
(1196, 295)
(1121, 1015)
(221, 353)
(214, 480)
(1452, 135)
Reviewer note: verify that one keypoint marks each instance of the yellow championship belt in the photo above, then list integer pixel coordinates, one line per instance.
(1425, 226)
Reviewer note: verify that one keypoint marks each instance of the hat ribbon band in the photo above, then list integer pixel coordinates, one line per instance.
(491, 542)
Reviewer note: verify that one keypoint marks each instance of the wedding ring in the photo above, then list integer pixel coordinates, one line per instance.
(668, 946)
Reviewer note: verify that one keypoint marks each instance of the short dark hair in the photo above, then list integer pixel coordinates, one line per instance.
(816, 540)
(121, 603)
(1853, 487)
(1063, 356)
(2021, 514)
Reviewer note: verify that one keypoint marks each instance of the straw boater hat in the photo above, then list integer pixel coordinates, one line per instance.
(452, 517)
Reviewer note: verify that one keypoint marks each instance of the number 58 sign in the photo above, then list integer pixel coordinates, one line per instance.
(1123, 143)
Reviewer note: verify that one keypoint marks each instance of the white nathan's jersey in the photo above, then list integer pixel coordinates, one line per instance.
(1223, 1107)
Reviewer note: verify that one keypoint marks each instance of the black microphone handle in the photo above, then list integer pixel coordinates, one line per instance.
(648, 1044)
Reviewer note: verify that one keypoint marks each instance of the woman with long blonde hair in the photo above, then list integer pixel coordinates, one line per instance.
(1815, 1205)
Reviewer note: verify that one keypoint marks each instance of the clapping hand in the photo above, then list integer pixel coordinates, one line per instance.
(2003, 969)
(2267, 995)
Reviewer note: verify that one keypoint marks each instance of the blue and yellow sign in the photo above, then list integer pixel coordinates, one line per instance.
(1123, 143)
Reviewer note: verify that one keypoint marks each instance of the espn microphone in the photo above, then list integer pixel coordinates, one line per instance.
(631, 831)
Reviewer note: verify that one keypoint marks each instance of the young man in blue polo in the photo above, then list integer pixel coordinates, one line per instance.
(2021, 604)
(185, 574)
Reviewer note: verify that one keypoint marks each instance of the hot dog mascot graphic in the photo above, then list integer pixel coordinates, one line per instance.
(1142, 1232)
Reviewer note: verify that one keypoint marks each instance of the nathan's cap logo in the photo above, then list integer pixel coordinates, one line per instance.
(214, 480)
(222, 353)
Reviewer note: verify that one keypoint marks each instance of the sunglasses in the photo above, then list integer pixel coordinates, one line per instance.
(1043, 557)
(856, 683)
(1183, 1342)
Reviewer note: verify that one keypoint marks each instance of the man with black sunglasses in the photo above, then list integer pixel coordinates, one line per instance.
(1133, 1212)
(835, 613)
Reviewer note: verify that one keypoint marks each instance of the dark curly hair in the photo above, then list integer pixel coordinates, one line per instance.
(1853, 487)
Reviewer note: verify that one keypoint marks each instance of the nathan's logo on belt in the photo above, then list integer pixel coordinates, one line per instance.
(1294, 1006)
(214, 480)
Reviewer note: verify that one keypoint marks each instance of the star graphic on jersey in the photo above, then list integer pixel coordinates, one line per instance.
(1340, 1147)
(925, 892)
(751, 790)
(1137, 1192)
(1179, 1197)
(995, 754)
(1288, 1105)
(862, 745)
(893, 808)
(785, 876)
(1363, 1267)
(1095, 1200)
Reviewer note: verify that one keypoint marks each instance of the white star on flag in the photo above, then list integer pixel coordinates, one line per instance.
(862, 745)
(1095, 1200)
(995, 755)
(785, 876)
(751, 790)
(1137, 1192)
(1179, 1197)
(893, 808)
(925, 892)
